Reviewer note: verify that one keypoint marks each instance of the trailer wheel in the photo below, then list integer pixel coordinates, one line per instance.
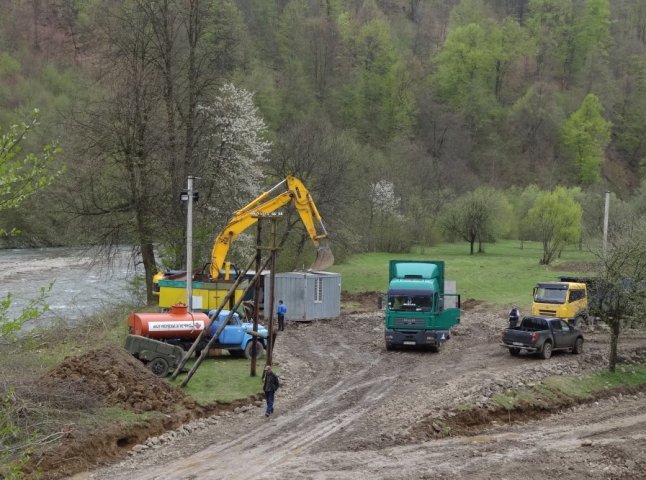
(578, 346)
(159, 366)
(260, 350)
(546, 351)
(514, 351)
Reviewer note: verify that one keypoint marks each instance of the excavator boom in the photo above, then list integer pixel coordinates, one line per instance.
(296, 193)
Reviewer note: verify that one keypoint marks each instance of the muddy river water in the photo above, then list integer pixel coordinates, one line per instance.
(82, 284)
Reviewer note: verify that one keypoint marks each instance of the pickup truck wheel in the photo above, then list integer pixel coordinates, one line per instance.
(260, 350)
(546, 351)
(578, 346)
(514, 351)
(578, 321)
(390, 347)
(159, 366)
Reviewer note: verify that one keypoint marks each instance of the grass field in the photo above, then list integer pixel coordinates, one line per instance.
(504, 274)
(224, 379)
(572, 388)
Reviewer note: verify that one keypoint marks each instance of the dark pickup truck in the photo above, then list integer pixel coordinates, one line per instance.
(542, 335)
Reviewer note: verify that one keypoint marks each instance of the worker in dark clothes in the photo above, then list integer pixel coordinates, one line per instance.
(270, 384)
(282, 310)
(514, 316)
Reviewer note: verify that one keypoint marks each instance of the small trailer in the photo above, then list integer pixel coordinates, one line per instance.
(159, 357)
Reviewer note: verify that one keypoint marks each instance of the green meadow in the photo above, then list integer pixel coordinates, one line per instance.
(505, 273)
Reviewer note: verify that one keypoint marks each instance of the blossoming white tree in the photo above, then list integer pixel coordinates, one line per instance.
(236, 147)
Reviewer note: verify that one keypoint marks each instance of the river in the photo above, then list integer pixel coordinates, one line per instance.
(82, 283)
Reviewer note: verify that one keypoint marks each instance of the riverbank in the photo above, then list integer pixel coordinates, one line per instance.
(117, 402)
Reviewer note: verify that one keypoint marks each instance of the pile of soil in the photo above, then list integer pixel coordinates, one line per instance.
(113, 377)
(361, 302)
(109, 376)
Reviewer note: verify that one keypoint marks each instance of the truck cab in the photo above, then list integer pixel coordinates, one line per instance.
(237, 336)
(565, 300)
(418, 310)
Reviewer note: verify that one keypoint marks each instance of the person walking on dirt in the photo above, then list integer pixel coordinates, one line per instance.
(282, 310)
(270, 384)
(514, 316)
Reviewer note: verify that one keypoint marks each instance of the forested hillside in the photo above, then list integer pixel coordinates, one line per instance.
(403, 117)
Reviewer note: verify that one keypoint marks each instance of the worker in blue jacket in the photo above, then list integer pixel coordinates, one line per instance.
(282, 310)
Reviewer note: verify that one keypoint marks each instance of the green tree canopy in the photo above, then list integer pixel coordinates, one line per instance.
(555, 220)
(22, 174)
(586, 133)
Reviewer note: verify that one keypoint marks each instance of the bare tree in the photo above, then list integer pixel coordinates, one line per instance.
(619, 292)
(115, 186)
(477, 216)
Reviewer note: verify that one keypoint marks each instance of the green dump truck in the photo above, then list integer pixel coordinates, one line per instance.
(420, 309)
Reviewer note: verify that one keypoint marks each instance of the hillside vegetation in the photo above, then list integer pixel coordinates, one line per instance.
(411, 122)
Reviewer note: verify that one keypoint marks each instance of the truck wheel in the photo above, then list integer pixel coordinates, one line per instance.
(546, 351)
(514, 351)
(260, 350)
(578, 346)
(159, 366)
(578, 321)
(390, 347)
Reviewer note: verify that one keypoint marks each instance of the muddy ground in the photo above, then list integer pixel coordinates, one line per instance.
(348, 409)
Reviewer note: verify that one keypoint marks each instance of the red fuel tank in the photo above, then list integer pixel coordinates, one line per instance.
(178, 323)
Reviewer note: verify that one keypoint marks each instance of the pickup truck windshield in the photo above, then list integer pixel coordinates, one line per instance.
(418, 303)
(550, 295)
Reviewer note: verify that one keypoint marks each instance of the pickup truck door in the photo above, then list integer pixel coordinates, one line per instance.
(562, 332)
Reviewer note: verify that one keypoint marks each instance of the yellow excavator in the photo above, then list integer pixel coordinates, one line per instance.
(265, 204)
(294, 192)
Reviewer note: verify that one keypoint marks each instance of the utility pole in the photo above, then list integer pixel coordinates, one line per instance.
(605, 224)
(189, 195)
(256, 300)
(272, 276)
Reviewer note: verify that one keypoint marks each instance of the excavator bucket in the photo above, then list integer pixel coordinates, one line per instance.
(324, 258)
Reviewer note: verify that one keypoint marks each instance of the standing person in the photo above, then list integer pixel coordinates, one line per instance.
(270, 384)
(282, 310)
(514, 316)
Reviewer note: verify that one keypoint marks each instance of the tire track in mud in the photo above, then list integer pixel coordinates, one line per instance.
(343, 394)
(289, 434)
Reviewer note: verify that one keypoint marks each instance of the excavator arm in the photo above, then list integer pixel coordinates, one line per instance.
(265, 204)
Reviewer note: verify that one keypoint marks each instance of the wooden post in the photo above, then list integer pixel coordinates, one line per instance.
(256, 295)
(230, 294)
(217, 333)
(272, 294)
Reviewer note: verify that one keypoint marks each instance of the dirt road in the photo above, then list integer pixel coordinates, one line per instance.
(348, 408)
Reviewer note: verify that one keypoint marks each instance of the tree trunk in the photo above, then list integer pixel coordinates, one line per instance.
(471, 242)
(150, 268)
(614, 340)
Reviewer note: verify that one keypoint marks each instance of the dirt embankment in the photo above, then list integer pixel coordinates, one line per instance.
(348, 407)
(112, 377)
